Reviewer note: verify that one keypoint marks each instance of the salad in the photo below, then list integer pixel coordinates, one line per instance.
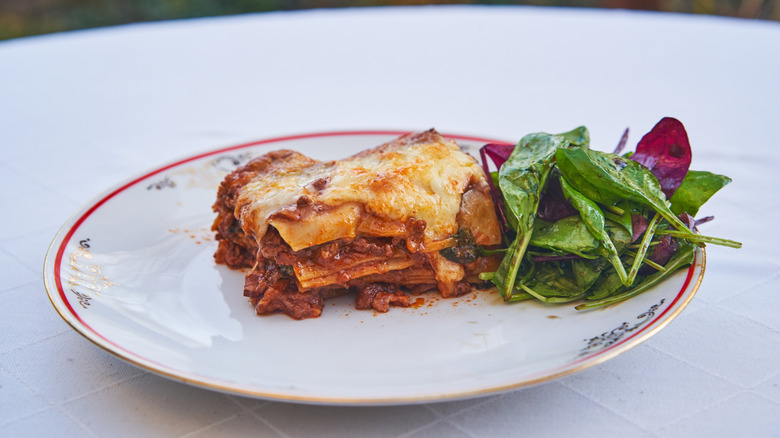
(585, 225)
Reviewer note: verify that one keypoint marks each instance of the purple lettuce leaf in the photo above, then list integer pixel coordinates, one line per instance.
(688, 220)
(498, 153)
(556, 258)
(666, 152)
(703, 220)
(622, 143)
(553, 205)
(661, 253)
(692, 223)
(639, 224)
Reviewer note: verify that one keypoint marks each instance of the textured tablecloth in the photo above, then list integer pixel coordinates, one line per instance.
(82, 111)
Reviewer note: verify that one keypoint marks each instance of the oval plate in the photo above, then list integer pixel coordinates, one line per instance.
(133, 272)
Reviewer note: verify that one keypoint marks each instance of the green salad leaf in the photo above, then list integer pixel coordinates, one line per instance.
(521, 179)
(696, 189)
(610, 179)
(597, 225)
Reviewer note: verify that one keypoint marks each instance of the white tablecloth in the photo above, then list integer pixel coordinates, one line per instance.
(82, 111)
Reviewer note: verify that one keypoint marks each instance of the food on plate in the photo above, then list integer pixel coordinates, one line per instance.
(585, 225)
(406, 216)
(555, 221)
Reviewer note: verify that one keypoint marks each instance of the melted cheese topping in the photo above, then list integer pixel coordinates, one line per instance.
(420, 176)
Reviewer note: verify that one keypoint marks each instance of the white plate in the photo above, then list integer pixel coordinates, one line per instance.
(133, 272)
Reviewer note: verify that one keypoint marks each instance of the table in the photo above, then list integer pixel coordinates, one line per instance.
(82, 111)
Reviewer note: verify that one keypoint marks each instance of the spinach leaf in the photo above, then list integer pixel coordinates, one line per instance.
(551, 283)
(521, 179)
(594, 219)
(576, 137)
(684, 257)
(623, 219)
(697, 187)
(506, 274)
(465, 250)
(587, 272)
(569, 235)
(620, 237)
(608, 179)
(607, 284)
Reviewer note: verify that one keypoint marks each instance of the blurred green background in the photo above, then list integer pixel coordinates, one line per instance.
(33, 17)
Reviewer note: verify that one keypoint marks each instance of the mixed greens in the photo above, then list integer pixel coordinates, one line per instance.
(580, 224)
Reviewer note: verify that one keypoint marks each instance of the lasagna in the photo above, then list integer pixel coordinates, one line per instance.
(381, 224)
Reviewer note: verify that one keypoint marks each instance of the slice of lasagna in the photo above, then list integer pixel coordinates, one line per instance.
(378, 224)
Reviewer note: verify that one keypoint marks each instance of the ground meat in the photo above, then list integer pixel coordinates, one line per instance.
(380, 296)
(462, 288)
(377, 246)
(287, 300)
(235, 256)
(275, 248)
(267, 275)
(345, 251)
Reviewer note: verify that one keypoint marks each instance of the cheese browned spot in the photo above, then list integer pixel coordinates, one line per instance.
(374, 221)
